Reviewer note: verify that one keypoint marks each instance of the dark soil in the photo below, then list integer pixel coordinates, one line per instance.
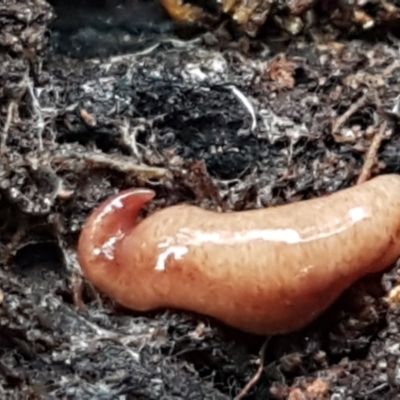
(96, 102)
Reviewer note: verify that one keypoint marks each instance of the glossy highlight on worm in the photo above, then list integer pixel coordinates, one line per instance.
(263, 271)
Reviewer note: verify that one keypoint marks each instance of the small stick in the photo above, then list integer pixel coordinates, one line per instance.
(258, 373)
(77, 289)
(122, 164)
(351, 110)
(371, 156)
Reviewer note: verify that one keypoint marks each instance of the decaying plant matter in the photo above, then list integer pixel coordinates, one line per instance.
(294, 16)
(220, 121)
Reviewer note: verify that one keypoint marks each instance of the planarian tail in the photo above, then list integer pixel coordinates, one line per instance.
(105, 228)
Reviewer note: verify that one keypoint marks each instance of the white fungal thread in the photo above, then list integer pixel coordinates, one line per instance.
(246, 102)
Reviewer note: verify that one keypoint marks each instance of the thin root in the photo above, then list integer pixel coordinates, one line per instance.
(371, 156)
(340, 121)
(258, 373)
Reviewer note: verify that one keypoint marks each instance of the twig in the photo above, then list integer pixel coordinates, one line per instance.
(77, 289)
(120, 163)
(371, 156)
(258, 373)
(344, 117)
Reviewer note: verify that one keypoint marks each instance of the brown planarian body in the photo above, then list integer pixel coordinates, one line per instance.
(263, 271)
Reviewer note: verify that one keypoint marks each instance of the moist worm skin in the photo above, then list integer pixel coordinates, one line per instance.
(264, 271)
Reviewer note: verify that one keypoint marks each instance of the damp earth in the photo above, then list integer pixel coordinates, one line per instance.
(100, 97)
